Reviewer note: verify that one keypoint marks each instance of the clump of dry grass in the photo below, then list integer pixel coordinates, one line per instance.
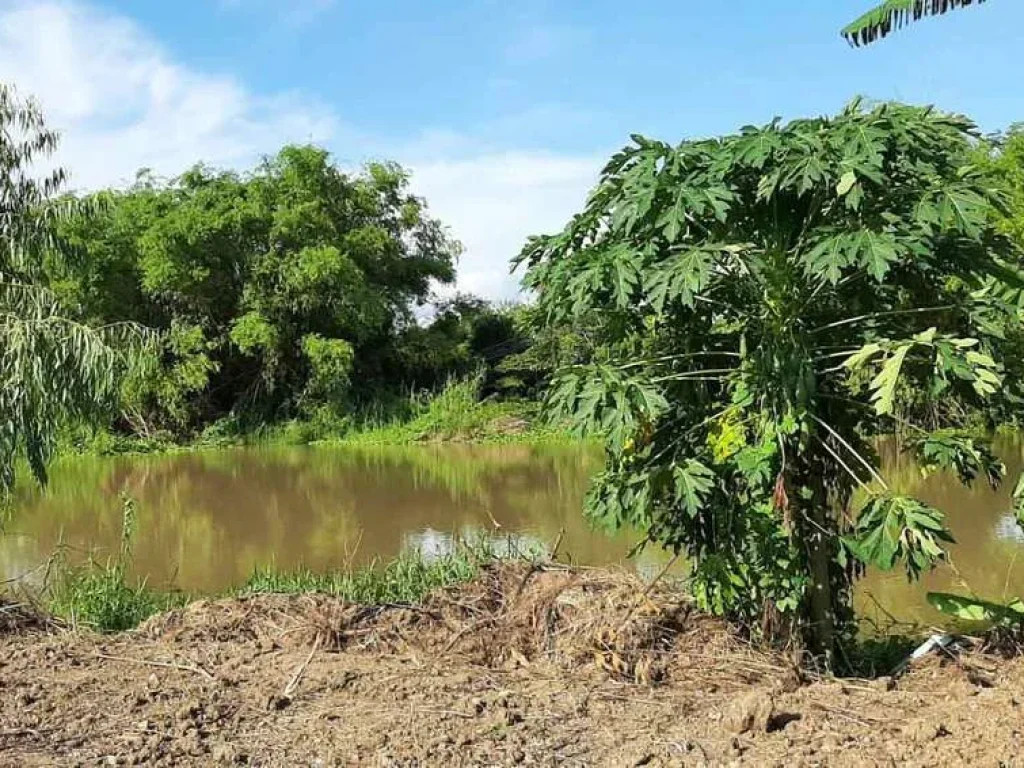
(512, 614)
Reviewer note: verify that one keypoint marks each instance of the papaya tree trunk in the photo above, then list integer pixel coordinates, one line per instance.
(816, 533)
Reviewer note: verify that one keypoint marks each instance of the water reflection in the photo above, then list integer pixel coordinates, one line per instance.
(207, 520)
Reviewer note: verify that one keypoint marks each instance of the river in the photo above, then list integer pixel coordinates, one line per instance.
(207, 520)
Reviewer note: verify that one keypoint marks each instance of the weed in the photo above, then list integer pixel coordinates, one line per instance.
(100, 596)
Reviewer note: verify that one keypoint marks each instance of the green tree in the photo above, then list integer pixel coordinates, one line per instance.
(770, 299)
(881, 20)
(53, 370)
(1002, 156)
(280, 291)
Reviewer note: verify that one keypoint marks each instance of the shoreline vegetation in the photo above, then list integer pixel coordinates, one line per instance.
(455, 414)
(102, 597)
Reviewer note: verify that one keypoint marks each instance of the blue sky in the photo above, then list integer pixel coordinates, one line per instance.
(504, 111)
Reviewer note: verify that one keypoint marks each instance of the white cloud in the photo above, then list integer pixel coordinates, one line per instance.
(493, 202)
(123, 103)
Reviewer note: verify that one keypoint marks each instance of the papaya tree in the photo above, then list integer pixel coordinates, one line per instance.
(771, 301)
(881, 20)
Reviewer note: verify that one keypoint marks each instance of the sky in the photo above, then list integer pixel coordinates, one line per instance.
(504, 112)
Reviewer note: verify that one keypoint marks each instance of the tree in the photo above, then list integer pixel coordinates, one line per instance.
(281, 291)
(53, 370)
(771, 301)
(1002, 155)
(880, 21)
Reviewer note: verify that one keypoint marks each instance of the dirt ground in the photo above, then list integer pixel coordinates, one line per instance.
(525, 666)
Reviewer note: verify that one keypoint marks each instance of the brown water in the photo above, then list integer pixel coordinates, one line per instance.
(206, 521)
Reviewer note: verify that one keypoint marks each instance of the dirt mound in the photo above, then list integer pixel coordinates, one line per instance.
(524, 666)
(512, 614)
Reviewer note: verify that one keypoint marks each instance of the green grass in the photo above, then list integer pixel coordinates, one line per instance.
(100, 596)
(407, 579)
(455, 413)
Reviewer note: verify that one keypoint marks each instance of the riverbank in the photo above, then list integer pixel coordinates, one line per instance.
(525, 664)
(454, 415)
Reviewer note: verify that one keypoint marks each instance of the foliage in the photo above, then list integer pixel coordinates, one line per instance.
(770, 299)
(455, 412)
(278, 291)
(881, 20)
(1002, 156)
(172, 385)
(100, 595)
(53, 370)
(897, 529)
(544, 348)
(1003, 615)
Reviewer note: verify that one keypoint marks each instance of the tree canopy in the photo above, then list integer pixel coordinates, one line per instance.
(771, 301)
(280, 290)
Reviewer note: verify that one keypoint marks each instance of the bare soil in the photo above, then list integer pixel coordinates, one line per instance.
(524, 666)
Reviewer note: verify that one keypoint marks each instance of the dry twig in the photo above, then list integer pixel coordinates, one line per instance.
(290, 688)
(164, 664)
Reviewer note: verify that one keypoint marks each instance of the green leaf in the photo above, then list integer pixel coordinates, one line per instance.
(692, 482)
(872, 251)
(893, 529)
(680, 278)
(876, 253)
(975, 610)
(846, 183)
(673, 220)
(884, 384)
(961, 453)
(1018, 500)
(862, 356)
(881, 20)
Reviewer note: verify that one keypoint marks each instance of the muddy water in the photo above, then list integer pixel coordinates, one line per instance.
(207, 520)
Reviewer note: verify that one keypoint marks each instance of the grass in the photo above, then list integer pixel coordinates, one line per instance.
(100, 596)
(455, 413)
(407, 579)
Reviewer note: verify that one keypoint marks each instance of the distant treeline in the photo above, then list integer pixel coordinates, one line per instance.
(289, 291)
